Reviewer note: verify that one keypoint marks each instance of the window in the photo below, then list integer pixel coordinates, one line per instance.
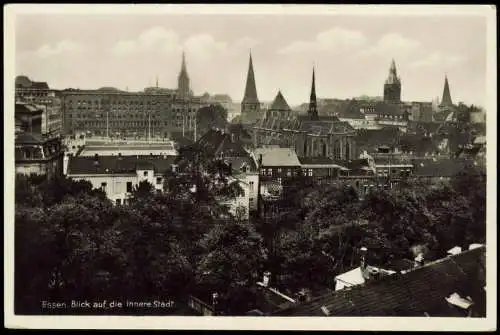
(158, 181)
(279, 180)
(251, 186)
(310, 172)
(279, 170)
(289, 172)
(269, 172)
(118, 202)
(103, 186)
(129, 186)
(145, 173)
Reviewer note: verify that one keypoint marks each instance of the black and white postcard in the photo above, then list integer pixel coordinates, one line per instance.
(250, 167)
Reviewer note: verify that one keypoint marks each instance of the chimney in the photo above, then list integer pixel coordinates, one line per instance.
(267, 277)
(419, 260)
(363, 251)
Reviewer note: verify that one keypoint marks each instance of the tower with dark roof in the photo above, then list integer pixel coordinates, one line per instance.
(392, 86)
(250, 103)
(446, 100)
(313, 106)
(183, 80)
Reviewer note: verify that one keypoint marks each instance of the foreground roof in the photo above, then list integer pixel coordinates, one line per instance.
(420, 291)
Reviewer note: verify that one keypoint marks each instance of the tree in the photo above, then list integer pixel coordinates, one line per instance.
(142, 192)
(233, 257)
(213, 116)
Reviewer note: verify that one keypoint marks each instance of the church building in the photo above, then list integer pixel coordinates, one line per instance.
(310, 135)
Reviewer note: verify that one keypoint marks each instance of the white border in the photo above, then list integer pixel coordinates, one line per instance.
(251, 323)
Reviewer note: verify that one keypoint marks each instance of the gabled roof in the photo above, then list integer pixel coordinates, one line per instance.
(419, 291)
(321, 160)
(215, 142)
(279, 103)
(278, 157)
(116, 164)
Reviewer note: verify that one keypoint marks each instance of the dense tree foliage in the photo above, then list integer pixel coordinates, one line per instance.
(71, 242)
(213, 116)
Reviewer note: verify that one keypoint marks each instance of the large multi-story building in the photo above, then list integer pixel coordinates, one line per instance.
(155, 112)
(35, 153)
(43, 97)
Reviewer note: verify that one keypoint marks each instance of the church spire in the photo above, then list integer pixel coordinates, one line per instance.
(183, 79)
(313, 107)
(250, 88)
(392, 86)
(393, 74)
(446, 100)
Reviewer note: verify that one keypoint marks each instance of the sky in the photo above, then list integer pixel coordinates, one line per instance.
(351, 53)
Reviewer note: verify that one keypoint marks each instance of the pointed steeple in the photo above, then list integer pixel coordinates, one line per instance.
(183, 79)
(313, 106)
(393, 75)
(446, 100)
(250, 88)
(279, 103)
(392, 86)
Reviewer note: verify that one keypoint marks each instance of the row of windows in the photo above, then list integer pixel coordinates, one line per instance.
(124, 124)
(159, 180)
(131, 116)
(139, 103)
(279, 171)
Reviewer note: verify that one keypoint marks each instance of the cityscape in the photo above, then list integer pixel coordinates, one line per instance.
(178, 201)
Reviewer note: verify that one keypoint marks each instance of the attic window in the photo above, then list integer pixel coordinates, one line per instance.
(145, 173)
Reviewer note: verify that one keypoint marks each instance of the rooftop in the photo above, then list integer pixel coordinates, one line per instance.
(101, 165)
(280, 103)
(440, 167)
(216, 142)
(414, 293)
(278, 157)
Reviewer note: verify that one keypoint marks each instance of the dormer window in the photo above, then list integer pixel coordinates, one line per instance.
(145, 173)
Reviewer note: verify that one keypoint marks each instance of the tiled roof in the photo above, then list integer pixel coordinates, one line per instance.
(29, 138)
(350, 109)
(326, 127)
(40, 85)
(439, 167)
(278, 157)
(116, 164)
(215, 142)
(280, 103)
(316, 160)
(370, 140)
(238, 162)
(24, 108)
(414, 293)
